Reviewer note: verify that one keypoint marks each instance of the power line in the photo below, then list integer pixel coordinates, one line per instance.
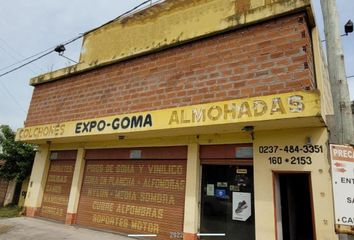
(19, 55)
(25, 59)
(12, 70)
(351, 76)
(133, 9)
(45, 52)
(37, 58)
(120, 16)
(13, 56)
(21, 66)
(49, 51)
(12, 96)
(62, 55)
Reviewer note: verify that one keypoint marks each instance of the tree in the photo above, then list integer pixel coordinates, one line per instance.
(17, 156)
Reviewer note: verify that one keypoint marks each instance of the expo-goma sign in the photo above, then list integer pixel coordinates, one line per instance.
(281, 106)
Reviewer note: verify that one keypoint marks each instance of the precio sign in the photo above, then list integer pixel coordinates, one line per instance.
(343, 183)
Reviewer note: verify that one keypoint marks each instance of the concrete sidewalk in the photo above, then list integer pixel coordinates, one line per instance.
(23, 228)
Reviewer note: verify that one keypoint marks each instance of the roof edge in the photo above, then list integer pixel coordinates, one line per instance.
(236, 20)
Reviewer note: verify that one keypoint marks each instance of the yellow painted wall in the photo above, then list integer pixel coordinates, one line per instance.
(167, 24)
(76, 182)
(233, 113)
(191, 206)
(38, 177)
(320, 177)
(263, 172)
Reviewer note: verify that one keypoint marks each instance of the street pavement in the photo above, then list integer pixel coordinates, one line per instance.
(23, 228)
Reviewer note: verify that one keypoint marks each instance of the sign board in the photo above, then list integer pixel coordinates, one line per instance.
(342, 158)
(220, 193)
(210, 190)
(241, 206)
(272, 107)
(57, 190)
(134, 197)
(244, 152)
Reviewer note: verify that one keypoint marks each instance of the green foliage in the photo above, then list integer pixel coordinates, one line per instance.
(18, 156)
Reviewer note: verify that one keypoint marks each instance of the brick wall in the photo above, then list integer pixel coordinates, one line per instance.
(268, 58)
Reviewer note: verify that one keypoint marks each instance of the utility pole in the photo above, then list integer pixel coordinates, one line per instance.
(342, 130)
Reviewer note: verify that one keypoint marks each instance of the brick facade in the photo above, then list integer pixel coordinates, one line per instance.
(267, 58)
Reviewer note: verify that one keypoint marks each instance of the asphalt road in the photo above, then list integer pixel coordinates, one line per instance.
(23, 228)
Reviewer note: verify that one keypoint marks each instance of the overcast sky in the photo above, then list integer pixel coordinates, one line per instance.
(29, 27)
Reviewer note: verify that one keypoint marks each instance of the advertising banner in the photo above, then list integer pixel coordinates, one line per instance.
(241, 206)
(272, 107)
(342, 158)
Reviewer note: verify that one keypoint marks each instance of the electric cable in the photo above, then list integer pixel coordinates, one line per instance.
(21, 66)
(21, 61)
(12, 96)
(17, 53)
(120, 16)
(41, 56)
(34, 55)
(51, 50)
(62, 55)
(15, 58)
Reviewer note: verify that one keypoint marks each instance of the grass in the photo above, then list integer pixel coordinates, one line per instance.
(10, 211)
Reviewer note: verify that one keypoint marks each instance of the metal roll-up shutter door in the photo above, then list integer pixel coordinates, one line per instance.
(58, 185)
(134, 191)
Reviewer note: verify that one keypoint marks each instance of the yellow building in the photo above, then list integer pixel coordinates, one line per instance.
(189, 119)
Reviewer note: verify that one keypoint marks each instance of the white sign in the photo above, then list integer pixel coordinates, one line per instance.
(210, 189)
(241, 206)
(343, 183)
